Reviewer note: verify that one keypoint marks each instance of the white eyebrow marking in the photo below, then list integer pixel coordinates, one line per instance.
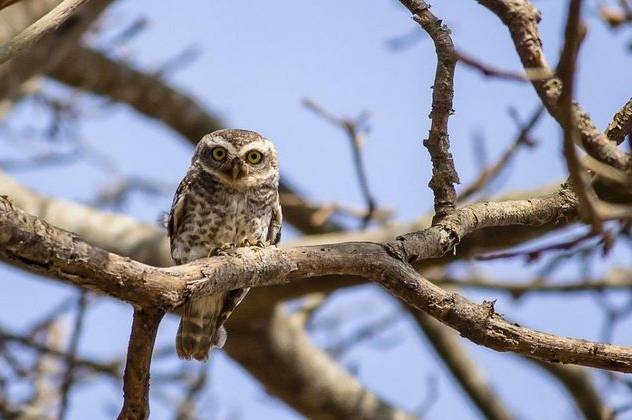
(220, 141)
(262, 145)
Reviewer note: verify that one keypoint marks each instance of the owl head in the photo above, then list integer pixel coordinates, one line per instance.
(240, 158)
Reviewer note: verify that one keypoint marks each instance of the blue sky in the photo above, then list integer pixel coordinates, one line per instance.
(257, 62)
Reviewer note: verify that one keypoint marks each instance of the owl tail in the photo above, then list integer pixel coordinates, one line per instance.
(198, 329)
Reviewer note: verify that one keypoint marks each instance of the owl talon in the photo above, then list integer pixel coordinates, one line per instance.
(245, 244)
(261, 244)
(222, 251)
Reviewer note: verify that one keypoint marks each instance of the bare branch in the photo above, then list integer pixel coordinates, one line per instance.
(488, 174)
(355, 134)
(136, 378)
(621, 124)
(49, 51)
(69, 374)
(316, 384)
(111, 369)
(489, 71)
(444, 175)
(7, 3)
(50, 22)
(618, 279)
(127, 279)
(566, 70)
(521, 18)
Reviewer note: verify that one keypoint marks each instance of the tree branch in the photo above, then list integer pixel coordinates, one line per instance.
(521, 18)
(50, 50)
(136, 378)
(48, 23)
(21, 241)
(621, 124)
(444, 175)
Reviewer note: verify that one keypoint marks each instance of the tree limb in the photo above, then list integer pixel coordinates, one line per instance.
(444, 175)
(136, 378)
(48, 23)
(21, 241)
(621, 124)
(521, 18)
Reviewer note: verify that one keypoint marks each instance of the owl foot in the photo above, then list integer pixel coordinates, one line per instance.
(222, 250)
(261, 244)
(245, 244)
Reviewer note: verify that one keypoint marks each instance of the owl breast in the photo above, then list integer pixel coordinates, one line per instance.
(210, 223)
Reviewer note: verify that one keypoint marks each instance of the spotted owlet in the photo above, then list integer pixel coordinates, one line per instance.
(228, 198)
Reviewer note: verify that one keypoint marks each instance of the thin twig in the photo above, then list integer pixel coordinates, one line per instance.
(489, 71)
(355, 130)
(534, 254)
(566, 70)
(489, 173)
(71, 356)
(111, 370)
(186, 409)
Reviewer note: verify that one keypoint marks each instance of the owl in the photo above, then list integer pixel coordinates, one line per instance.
(228, 198)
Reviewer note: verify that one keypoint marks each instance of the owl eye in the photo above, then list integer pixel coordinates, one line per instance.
(219, 153)
(254, 157)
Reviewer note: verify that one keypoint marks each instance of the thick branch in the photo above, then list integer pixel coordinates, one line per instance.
(444, 175)
(50, 50)
(136, 378)
(522, 18)
(255, 267)
(7, 3)
(48, 23)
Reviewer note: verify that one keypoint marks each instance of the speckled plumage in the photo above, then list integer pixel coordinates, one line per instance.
(222, 202)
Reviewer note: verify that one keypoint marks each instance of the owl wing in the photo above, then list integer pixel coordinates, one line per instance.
(274, 230)
(177, 213)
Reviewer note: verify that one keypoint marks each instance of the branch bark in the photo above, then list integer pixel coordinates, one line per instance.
(48, 23)
(7, 3)
(444, 175)
(50, 50)
(136, 378)
(21, 242)
(621, 124)
(522, 18)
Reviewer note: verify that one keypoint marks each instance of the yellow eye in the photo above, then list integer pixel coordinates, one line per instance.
(254, 157)
(219, 153)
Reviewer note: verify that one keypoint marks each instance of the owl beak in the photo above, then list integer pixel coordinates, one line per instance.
(238, 169)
